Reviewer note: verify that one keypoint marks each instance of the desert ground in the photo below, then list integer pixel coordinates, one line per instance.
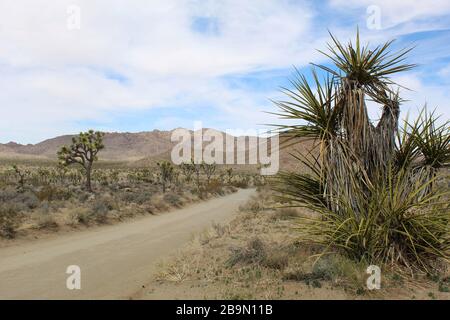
(258, 255)
(115, 260)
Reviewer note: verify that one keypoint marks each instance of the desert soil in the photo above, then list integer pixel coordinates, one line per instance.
(115, 260)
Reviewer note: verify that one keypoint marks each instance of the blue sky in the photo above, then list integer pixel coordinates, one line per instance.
(160, 64)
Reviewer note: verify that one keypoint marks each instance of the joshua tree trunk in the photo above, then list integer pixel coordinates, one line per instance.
(88, 177)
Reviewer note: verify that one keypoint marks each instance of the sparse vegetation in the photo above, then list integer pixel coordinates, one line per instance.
(258, 257)
(51, 197)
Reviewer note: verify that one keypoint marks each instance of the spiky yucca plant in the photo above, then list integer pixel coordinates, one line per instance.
(374, 185)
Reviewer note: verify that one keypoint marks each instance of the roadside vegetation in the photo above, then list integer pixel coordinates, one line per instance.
(258, 255)
(370, 193)
(80, 192)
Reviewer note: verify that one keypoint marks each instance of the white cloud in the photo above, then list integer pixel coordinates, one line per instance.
(140, 54)
(420, 92)
(53, 77)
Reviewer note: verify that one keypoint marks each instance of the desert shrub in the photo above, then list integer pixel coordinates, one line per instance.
(136, 197)
(160, 204)
(46, 222)
(254, 252)
(83, 195)
(9, 221)
(52, 193)
(101, 208)
(21, 200)
(337, 269)
(444, 284)
(104, 204)
(285, 214)
(7, 194)
(252, 205)
(242, 184)
(215, 186)
(82, 216)
(173, 199)
(276, 259)
(219, 229)
(28, 199)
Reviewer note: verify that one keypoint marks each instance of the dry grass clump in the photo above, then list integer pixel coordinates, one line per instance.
(9, 221)
(45, 221)
(285, 214)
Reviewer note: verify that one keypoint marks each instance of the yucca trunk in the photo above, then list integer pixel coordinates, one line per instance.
(359, 149)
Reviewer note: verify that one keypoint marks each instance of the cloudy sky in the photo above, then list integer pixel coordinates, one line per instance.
(139, 65)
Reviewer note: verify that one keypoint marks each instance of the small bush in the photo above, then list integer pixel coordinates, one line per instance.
(219, 229)
(240, 184)
(46, 222)
(285, 214)
(101, 208)
(9, 221)
(23, 200)
(173, 199)
(255, 252)
(160, 204)
(252, 206)
(136, 197)
(276, 259)
(51, 193)
(334, 268)
(82, 217)
(215, 186)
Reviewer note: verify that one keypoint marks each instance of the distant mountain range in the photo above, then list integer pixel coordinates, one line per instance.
(118, 146)
(137, 148)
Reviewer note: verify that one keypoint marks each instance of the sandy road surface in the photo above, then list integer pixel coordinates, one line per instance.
(115, 261)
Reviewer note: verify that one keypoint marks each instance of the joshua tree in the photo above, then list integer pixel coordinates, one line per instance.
(188, 170)
(21, 174)
(197, 167)
(209, 169)
(165, 173)
(83, 151)
(229, 175)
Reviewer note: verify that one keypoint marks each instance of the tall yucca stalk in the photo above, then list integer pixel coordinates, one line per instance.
(356, 162)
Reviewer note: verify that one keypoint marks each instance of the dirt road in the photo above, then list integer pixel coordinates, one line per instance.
(115, 261)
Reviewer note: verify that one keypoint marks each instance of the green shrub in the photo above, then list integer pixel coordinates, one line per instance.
(173, 199)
